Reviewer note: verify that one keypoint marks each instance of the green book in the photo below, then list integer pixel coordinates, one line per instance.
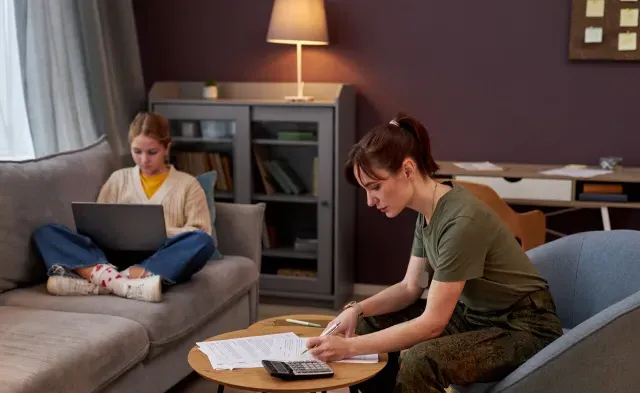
(296, 136)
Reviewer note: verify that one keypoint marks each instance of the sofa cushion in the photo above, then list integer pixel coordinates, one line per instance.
(184, 308)
(49, 351)
(208, 180)
(40, 191)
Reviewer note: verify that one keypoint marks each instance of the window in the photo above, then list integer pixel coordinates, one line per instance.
(15, 135)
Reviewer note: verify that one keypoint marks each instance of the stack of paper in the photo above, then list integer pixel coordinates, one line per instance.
(248, 352)
(575, 172)
(478, 166)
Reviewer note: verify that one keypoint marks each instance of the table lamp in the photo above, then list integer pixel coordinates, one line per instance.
(299, 22)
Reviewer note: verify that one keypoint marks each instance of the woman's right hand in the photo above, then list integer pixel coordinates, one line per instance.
(348, 322)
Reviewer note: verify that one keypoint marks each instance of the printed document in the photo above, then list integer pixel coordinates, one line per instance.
(248, 352)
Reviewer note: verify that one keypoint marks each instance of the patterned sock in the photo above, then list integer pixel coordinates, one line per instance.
(147, 289)
(107, 276)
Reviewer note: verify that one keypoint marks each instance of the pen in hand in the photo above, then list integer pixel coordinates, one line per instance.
(325, 333)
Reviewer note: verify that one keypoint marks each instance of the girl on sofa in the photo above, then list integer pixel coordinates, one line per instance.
(488, 309)
(76, 266)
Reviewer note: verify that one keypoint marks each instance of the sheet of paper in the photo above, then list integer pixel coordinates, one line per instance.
(629, 17)
(575, 172)
(593, 35)
(296, 346)
(241, 350)
(595, 8)
(248, 352)
(478, 166)
(629, 1)
(291, 348)
(227, 366)
(627, 41)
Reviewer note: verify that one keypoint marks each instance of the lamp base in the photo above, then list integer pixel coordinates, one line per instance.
(299, 98)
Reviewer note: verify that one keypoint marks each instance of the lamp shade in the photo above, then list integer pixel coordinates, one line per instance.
(298, 22)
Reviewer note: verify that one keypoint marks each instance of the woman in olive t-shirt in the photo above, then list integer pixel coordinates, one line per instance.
(488, 310)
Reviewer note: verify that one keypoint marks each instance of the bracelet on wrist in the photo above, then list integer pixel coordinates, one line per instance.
(355, 305)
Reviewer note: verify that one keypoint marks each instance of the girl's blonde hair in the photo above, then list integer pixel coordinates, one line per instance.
(151, 125)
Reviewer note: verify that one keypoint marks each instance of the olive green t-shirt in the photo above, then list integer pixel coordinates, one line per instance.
(466, 241)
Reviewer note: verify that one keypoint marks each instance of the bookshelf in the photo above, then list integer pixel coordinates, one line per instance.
(288, 155)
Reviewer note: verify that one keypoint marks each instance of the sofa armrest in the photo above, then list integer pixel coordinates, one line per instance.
(598, 355)
(239, 229)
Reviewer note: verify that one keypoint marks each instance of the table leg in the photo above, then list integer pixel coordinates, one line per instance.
(606, 223)
(353, 389)
(220, 388)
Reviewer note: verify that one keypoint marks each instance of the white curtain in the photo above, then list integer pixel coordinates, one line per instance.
(56, 79)
(81, 72)
(15, 134)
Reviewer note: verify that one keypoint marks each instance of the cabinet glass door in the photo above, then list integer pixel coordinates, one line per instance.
(292, 172)
(210, 137)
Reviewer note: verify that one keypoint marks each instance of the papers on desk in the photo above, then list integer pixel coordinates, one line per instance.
(575, 172)
(478, 166)
(248, 352)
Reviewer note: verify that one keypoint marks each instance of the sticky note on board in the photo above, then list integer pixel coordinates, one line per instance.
(593, 35)
(627, 41)
(629, 17)
(595, 8)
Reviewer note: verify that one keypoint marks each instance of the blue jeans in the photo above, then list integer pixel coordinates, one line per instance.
(179, 258)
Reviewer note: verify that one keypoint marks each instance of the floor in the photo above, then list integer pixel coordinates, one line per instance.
(196, 384)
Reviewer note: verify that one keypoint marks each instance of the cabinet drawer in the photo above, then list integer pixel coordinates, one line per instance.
(526, 188)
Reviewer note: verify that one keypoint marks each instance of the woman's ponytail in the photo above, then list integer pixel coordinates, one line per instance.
(423, 153)
(387, 145)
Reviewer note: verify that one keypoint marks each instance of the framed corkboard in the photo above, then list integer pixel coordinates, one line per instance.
(604, 30)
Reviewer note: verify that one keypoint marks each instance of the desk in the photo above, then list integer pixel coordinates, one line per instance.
(523, 184)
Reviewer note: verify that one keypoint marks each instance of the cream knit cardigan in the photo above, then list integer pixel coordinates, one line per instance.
(182, 197)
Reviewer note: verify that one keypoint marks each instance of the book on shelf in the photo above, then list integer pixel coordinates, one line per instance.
(286, 178)
(596, 188)
(260, 156)
(602, 197)
(296, 272)
(297, 136)
(278, 176)
(314, 191)
(268, 236)
(197, 163)
(305, 244)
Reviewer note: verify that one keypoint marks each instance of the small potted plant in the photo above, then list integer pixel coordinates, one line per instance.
(210, 89)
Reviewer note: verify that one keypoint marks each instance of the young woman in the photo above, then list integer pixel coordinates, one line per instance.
(76, 266)
(488, 308)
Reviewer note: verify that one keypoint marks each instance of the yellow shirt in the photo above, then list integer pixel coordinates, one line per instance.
(150, 184)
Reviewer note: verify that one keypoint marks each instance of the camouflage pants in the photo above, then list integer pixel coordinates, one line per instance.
(474, 347)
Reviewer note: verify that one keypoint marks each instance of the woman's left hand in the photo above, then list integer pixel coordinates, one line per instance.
(329, 348)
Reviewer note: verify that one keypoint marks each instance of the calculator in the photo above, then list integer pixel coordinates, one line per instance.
(298, 369)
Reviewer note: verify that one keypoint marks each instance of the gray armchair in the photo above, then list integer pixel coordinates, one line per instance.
(595, 281)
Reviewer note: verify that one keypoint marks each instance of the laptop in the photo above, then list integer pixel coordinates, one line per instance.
(121, 227)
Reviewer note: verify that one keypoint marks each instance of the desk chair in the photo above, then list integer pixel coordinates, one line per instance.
(594, 278)
(529, 228)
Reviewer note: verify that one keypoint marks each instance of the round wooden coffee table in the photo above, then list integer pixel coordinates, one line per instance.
(259, 380)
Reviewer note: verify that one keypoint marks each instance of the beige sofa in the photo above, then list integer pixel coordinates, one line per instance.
(86, 344)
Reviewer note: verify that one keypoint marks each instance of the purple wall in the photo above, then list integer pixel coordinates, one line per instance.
(491, 81)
